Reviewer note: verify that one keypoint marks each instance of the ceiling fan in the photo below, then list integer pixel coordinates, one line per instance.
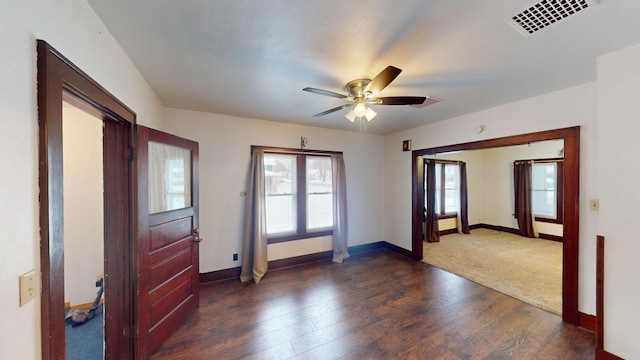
(362, 93)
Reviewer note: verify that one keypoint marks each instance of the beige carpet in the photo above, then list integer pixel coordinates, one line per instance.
(527, 269)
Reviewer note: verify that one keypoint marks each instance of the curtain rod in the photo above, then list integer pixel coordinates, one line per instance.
(548, 160)
(443, 161)
(301, 152)
(276, 150)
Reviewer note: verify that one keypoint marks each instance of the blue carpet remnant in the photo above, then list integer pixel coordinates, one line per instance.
(85, 342)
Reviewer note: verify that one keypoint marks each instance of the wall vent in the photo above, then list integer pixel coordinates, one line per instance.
(546, 13)
(429, 101)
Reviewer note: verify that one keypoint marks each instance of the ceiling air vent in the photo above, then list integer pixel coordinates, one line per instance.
(429, 101)
(545, 13)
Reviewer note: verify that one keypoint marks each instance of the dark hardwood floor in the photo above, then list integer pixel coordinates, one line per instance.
(376, 305)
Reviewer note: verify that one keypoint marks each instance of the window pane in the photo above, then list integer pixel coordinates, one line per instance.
(319, 192)
(281, 214)
(544, 189)
(280, 188)
(319, 211)
(319, 174)
(280, 174)
(169, 177)
(450, 201)
(451, 188)
(544, 203)
(450, 174)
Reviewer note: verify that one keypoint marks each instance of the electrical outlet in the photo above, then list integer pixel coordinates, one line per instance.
(243, 193)
(235, 257)
(29, 287)
(594, 205)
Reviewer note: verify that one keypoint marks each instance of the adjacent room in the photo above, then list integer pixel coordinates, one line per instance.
(84, 231)
(319, 179)
(487, 246)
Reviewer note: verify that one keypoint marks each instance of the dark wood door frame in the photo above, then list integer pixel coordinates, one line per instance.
(571, 187)
(58, 76)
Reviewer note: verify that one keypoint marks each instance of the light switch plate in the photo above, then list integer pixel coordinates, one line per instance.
(29, 287)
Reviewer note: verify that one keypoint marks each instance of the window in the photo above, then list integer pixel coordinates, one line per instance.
(546, 186)
(280, 190)
(447, 189)
(299, 196)
(169, 177)
(319, 192)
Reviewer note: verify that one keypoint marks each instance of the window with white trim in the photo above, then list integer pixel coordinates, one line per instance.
(280, 188)
(545, 194)
(447, 188)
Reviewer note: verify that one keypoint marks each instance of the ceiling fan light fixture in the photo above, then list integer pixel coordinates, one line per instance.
(351, 115)
(370, 114)
(362, 94)
(360, 110)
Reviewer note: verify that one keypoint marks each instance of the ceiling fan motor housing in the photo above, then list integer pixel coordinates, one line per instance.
(356, 87)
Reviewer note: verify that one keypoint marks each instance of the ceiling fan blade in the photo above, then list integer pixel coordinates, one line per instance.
(325, 92)
(383, 79)
(333, 110)
(399, 100)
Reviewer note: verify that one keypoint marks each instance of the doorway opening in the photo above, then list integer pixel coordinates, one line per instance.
(570, 186)
(473, 230)
(59, 79)
(83, 229)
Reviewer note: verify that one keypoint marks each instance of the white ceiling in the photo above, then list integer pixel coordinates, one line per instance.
(251, 58)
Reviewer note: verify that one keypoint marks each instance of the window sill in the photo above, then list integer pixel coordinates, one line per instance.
(293, 237)
(548, 220)
(447, 216)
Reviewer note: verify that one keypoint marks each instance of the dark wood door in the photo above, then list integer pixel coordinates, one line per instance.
(167, 269)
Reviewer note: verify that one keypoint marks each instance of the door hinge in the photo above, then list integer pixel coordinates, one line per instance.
(131, 153)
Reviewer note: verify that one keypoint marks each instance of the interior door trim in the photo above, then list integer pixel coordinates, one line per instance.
(57, 74)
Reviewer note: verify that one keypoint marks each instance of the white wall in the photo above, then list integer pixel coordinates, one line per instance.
(498, 179)
(490, 181)
(619, 171)
(72, 27)
(225, 143)
(290, 249)
(565, 108)
(83, 204)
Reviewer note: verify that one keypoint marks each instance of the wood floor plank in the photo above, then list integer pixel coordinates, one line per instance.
(376, 305)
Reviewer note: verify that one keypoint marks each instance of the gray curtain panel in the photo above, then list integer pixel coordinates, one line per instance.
(254, 239)
(340, 241)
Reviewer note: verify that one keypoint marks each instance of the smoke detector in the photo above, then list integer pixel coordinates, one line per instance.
(546, 13)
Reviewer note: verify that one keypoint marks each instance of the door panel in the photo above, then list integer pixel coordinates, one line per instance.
(167, 281)
(164, 234)
(163, 273)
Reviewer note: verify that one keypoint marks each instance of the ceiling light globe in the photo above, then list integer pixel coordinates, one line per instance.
(370, 114)
(351, 116)
(360, 110)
